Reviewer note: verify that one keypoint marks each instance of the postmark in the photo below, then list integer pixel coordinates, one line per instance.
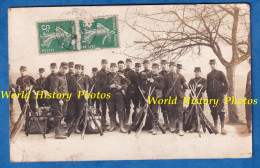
(77, 34)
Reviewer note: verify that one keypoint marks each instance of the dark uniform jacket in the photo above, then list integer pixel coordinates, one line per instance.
(248, 93)
(200, 85)
(143, 79)
(69, 73)
(24, 81)
(176, 83)
(130, 75)
(157, 84)
(164, 73)
(217, 82)
(59, 83)
(76, 83)
(114, 78)
(48, 81)
(40, 83)
(101, 76)
(136, 81)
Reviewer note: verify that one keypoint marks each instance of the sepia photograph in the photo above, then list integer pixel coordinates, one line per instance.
(129, 82)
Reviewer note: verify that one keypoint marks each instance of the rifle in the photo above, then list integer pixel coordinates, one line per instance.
(138, 115)
(152, 114)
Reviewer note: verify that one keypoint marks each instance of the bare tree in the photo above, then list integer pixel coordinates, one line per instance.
(182, 29)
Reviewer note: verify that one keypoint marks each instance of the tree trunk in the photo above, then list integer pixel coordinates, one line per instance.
(232, 108)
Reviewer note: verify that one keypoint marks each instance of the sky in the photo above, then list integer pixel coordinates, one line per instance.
(23, 41)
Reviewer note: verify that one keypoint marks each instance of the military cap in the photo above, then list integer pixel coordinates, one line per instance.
(197, 69)
(78, 66)
(155, 65)
(53, 64)
(163, 61)
(104, 61)
(212, 61)
(41, 70)
(179, 66)
(82, 67)
(137, 65)
(113, 65)
(128, 60)
(120, 62)
(64, 64)
(23, 68)
(172, 64)
(146, 62)
(94, 69)
(71, 64)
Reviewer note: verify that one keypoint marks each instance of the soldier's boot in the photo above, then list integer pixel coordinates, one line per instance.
(113, 125)
(216, 123)
(223, 131)
(166, 123)
(193, 129)
(77, 131)
(154, 128)
(249, 126)
(121, 125)
(181, 132)
(58, 131)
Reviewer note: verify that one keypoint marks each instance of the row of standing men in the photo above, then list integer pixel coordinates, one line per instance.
(125, 85)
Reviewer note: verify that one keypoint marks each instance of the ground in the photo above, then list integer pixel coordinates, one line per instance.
(118, 146)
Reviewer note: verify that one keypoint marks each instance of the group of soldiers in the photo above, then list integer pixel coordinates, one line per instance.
(127, 86)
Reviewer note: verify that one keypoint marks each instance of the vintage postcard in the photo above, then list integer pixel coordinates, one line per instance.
(136, 82)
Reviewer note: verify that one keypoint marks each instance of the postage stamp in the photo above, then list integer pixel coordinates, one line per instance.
(78, 34)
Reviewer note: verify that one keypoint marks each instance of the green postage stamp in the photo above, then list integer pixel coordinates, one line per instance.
(78, 34)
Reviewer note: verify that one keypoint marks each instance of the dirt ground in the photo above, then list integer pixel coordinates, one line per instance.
(118, 146)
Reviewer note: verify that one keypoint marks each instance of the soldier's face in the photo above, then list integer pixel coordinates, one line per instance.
(53, 69)
(146, 66)
(94, 73)
(213, 66)
(63, 70)
(137, 69)
(113, 69)
(41, 74)
(104, 65)
(23, 72)
(71, 69)
(172, 68)
(197, 74)
(128, 64)
(164, 66)
(77, 70)
(155, 70)
(178, 70)
(120, 66)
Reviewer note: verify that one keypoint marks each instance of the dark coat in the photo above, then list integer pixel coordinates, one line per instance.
(59, 83)
(176, 84)
(77, 83)
(217, 82)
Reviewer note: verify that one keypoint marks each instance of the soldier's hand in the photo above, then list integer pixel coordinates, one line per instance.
(143, 91)
(27, 88)
(150, 80)
(61, 103)
(113, 86)
(118, 87)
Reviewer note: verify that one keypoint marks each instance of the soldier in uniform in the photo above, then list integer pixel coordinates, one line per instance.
(94, 80)
(248, 95)
(53, 68)
(40, 86)
(217, 87)
(136, 94)
(164, 72)
(143, 79)
(176, 86)
(59, 85)
(71, 69)
(101, 76)
(23, 84)
(198, 85)
(179, 68)
(114, 84)
(129, 74)
(156, 82)
(76, 82)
